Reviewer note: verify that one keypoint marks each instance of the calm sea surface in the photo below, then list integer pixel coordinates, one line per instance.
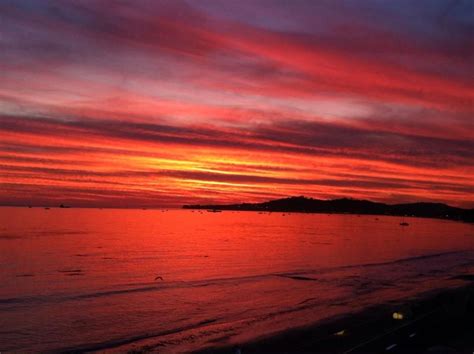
(78, 279)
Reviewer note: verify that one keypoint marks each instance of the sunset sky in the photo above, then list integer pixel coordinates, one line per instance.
(163, 103)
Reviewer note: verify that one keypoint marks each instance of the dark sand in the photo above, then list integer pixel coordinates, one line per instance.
(440, 321)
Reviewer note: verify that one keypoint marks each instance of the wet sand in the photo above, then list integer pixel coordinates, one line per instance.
(440, 321)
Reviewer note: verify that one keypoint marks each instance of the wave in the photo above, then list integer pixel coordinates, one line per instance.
(113, 343)
(297, 275)
(376, 264)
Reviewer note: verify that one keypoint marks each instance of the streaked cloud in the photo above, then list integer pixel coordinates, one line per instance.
(164, 103)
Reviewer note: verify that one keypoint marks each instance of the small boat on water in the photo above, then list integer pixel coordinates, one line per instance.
(214, 211)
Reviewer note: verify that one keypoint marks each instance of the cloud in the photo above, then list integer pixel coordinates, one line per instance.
(155, 98)
(122, 154)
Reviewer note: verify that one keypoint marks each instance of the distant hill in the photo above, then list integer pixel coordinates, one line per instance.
(349, 206)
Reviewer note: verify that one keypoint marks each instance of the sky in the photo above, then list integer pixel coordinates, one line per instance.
(163, 103)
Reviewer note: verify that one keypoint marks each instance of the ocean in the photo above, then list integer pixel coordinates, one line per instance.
(183, 280)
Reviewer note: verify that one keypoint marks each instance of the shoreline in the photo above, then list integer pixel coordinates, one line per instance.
(440, 320)
(435, 321)
(289, 212)
(302, 204)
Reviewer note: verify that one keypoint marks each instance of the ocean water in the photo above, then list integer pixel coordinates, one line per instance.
(86, 279)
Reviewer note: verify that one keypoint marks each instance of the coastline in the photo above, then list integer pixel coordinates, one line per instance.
(435, 321)
(440, 321)
(351, 206)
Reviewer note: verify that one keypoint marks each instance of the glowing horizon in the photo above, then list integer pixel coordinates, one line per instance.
(164, 103)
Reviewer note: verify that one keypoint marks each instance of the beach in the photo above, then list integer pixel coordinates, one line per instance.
(440, 321)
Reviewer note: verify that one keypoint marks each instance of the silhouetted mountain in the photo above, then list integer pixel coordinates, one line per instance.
(349, 206)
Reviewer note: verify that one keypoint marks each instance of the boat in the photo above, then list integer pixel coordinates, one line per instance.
(214, 211)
